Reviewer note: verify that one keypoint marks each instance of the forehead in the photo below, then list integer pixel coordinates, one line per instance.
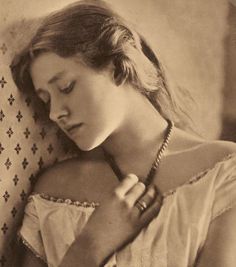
(45, 66)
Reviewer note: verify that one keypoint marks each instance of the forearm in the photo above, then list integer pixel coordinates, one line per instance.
(29, 260)
(84, 252)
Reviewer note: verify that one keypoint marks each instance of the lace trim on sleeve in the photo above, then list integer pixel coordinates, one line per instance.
(219, 213)
(28, 246)
(197, 177)
(112, 261)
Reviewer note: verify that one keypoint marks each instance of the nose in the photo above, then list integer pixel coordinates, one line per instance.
(58, 112)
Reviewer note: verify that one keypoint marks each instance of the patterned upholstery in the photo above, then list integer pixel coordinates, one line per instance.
(28, 144)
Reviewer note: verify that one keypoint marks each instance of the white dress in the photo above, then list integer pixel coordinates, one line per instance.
(174, 238)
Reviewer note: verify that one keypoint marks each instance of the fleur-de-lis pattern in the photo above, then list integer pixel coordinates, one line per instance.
(3, 82)
(1, 148)
(6, 196)
(3, 48)
(15, 179)
(17, 148)
(2, 115)
(34, 148)
(11, 99)
(13, 211)
(27, 145)
(4, 228)
(19, 116)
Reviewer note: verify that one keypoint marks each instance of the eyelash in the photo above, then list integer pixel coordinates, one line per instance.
(69, 88)
(65, 90)
(44, 101)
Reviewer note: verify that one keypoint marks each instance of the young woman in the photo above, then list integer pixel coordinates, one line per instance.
(143, 192)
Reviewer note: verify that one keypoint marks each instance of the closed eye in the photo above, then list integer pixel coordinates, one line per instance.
(68, 88)
(46, 101)
(44, 96)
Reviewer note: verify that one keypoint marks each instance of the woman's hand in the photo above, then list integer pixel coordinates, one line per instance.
(117, 220)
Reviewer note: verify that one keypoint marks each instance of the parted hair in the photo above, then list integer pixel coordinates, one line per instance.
(92, 31)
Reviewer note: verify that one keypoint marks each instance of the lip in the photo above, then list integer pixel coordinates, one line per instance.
(71, 128)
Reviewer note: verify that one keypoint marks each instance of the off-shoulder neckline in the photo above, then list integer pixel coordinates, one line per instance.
(91, 204)
(196, 177)
(68, 201)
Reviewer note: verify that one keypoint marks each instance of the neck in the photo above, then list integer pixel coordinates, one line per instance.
(142, 131)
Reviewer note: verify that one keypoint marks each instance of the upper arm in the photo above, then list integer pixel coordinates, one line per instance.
(224, 147)
(29, 260)
(77, 178)
(220, 247)
(54, 178)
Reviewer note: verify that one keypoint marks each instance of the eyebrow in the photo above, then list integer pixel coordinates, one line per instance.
(56, 77)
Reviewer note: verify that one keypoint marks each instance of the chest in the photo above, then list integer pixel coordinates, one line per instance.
(98, 182)
(172, 171)
(95, 182)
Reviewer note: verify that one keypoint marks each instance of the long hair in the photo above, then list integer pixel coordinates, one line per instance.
(92, 31)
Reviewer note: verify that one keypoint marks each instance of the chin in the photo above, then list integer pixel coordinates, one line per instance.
(92, 140)
(85, 149)
(88, 146)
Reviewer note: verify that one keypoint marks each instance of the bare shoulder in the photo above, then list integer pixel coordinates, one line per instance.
(192, 146)
(57, 172)
(190, 143)
(219, 249)
(74, 178)
(208, 153)
(218, 149)
(199, 154)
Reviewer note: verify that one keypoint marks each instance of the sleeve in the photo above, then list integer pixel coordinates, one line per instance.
(111, 262)
(29, 232)
(225, 192)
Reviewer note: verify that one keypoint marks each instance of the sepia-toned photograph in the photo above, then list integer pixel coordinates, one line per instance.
(117, 133)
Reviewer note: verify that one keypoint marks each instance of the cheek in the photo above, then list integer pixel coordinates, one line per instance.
(99, 103)
(103, 111)
(91, 104)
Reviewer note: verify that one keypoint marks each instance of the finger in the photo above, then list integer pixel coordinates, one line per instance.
(149, 196)
(152, 211)
(146, 199)
(135, 193)
(126, 184)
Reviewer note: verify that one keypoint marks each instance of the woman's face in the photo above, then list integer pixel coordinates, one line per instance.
(85, 103)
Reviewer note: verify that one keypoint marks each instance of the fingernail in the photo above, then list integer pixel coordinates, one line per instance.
(152, 191)
(133, 176)
(142, 184)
